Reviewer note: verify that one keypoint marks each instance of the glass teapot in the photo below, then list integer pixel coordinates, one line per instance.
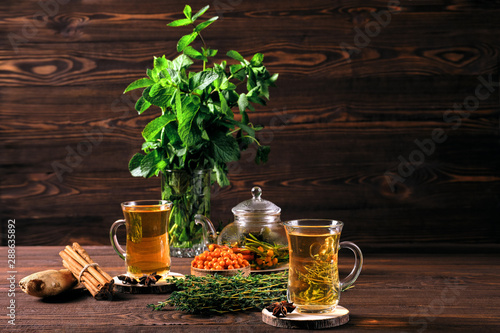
(256, 228)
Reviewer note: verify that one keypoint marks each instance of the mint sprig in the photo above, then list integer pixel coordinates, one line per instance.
(197, 128)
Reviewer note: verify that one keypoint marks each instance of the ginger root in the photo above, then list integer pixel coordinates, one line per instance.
(48, 283)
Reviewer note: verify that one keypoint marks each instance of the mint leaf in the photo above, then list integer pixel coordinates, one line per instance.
(142, 105)
(186, 40)
(182, 61)
(180, 23)
(244, 127)
(195, 54)
(159, 97)
(205, 24)
(273, 78)
(134, 165)
(221, 174)
(235, 55)
(257, 59)
(189, 133)
(200, 12)
(160, 63)
(201, 80)
(141, 83)
(187, 11)
(171, 134)
(156, 125)
(223, 105)
(242, 102)
(224, 147)
(212, 53)
(262, 154)
(148, 164)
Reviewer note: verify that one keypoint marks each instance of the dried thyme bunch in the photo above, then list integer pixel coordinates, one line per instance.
(221, 294)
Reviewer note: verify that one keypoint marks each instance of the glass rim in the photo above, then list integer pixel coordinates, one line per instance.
(313, 223)
(147, 203)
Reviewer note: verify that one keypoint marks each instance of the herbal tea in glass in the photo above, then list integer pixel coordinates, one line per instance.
(313, 278)
(147, 249)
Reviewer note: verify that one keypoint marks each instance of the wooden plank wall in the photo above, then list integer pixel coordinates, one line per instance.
(386, 116)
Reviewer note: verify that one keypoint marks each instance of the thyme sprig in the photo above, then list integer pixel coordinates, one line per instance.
(222, 294)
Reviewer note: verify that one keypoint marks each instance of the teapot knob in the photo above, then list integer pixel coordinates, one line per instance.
(256, 193)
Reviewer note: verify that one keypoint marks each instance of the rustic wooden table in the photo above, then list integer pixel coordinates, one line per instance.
(395, 293)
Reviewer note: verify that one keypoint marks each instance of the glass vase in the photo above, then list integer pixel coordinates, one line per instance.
(190, 195)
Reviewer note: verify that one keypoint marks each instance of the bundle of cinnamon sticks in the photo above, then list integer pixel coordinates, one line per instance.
(98, 282)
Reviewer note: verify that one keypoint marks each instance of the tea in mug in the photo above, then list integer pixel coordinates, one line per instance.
(313, 284)
(148, 248)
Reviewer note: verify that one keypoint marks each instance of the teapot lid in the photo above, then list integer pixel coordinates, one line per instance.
(256, 205)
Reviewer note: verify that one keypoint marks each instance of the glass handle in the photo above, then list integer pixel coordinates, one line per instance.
(209, 233)
(114, 240)
(358, 264)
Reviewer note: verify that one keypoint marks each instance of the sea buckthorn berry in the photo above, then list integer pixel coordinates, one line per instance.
(211, 247)
(270, 253)
(230, 267)
(260, 248)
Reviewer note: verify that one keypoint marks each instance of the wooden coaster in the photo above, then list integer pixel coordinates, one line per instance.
(164, 286)
(308, 321)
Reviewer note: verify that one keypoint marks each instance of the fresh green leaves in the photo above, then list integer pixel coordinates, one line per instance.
(154, 127)
(186, 40)
(201, 80)
(197, 128)
(221, 294)
(190, 20)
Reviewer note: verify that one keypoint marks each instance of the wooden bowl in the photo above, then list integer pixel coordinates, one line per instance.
(223, 272)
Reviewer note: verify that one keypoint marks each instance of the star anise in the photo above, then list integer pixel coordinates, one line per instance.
(148, 280)
(127, 279)
(280, 309)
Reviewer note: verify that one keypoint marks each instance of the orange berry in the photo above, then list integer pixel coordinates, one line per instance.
(209, 258)
(275, 261)
(270, 253)
(237, 266)
(230, 267)
(260, 248)
(259, 261)
(211, 247)
(245, 262)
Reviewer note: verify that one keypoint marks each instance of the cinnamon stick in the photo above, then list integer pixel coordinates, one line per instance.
(97, 282)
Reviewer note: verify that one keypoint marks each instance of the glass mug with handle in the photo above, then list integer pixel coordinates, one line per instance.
(313, 278)
(147, 247)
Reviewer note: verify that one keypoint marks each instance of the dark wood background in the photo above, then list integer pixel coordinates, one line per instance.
(347, 108)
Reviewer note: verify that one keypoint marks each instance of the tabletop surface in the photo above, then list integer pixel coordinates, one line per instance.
(394, 293)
